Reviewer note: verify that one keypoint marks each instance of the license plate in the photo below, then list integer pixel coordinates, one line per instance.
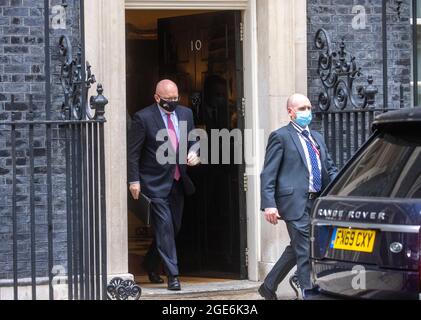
(353, 239)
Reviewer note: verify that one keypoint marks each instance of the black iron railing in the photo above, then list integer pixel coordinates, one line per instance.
(345, 111)
(54, 212)
(345, 131)
(57, 177)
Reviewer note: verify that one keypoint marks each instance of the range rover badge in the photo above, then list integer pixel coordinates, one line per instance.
(396, 247)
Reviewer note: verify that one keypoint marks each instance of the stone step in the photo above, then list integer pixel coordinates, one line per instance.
(226, 290)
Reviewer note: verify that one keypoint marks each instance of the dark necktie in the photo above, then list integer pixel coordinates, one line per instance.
(317, 176)
(174, 142)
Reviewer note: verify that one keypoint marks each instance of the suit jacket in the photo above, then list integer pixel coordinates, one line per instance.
(285, 177)
(155, 179)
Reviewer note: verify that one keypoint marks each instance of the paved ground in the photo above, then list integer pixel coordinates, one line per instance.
(216, 290)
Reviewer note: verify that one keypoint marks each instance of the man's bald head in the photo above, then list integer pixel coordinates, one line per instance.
(166, 90)
(297, 100)
(164, 87)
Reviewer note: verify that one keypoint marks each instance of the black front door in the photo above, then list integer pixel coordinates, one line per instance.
(203, 55)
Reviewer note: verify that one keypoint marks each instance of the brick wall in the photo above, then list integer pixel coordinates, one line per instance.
(343, 20)
(23, 73)
(366, 45)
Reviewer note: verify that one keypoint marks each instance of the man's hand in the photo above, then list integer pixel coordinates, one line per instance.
(193, 159)
(272, 215)
(135, 190)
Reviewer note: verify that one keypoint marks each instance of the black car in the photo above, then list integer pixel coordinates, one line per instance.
(365, 233)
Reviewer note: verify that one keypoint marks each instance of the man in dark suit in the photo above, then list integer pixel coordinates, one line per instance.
(297, 168)
(165, 182)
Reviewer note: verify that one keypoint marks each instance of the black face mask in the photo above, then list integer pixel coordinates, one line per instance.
(168, 105)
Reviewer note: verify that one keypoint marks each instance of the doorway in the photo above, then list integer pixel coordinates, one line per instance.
(202, 52)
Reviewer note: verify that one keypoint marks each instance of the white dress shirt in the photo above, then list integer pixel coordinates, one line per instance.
(303, 143)
(174, 120)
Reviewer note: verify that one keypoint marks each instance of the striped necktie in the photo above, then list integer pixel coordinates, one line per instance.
(317, 176)
(174, 142)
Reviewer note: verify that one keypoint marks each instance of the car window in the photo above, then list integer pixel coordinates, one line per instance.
(390, 166)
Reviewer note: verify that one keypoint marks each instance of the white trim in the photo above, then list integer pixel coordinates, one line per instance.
(250, 62)
(104, 43)
(188, 4)
(252, 121)
(418, 21)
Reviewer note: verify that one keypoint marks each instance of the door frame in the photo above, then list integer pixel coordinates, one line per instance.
(248, 10)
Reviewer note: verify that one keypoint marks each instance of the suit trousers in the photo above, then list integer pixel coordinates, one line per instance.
(166, 216)
(296, 253)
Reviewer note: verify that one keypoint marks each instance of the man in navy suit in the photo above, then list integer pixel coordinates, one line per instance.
(165, 183)
(297, 168)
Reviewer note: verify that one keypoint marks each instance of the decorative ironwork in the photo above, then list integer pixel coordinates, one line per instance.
(196, 102)
(398, 7)
(338, 71)
(401, 97)
(119, 289)
(77, 146)
(98, 104)
(75, 87)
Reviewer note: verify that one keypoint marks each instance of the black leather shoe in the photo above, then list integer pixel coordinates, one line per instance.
(155, 278)
(266, 293)
(174, 283)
